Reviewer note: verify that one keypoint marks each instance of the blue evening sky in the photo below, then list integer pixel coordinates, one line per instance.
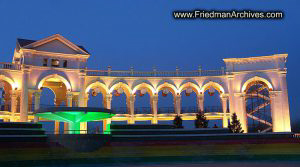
(124, 33)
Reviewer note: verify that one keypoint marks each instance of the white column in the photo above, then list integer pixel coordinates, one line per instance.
(279, 122)
(130, 104)
(106, 125)
(82, 94)
(14, 96)
(69, 99)
(69, 96)
(56, 127)
(107, 104)
(37, 97)
(276, 111)
(231, 94)
(154, 100)
(224, 107)
(107, 101)
(240, 101)
(177, 105)
(84, 103)
(285, 103)
(24, 95)
(200, 102)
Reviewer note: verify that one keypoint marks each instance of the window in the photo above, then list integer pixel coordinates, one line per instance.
(45, 62)
(65, 63)
(55, 63)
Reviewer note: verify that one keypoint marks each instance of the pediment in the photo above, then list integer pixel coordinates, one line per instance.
(56, 46)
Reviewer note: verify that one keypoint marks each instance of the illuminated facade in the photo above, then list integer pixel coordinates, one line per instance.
(60, 65)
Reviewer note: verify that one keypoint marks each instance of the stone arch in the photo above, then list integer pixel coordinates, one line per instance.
(150, 89)
(10, 81)
(172, 88)
(192, 85)
(61, 78)
(256, 78)
(123, 85)
(216, 85)
(103, 88)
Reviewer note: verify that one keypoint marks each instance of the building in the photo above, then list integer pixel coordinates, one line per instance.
(58, 64)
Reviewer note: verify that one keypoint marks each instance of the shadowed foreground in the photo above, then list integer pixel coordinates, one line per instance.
(122, 151)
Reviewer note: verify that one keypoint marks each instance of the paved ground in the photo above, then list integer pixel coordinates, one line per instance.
(207, 164)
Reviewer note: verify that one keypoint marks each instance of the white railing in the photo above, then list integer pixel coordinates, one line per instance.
(9, 66)
(155, 73)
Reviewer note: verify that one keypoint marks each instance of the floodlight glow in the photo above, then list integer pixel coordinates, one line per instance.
(74, 117)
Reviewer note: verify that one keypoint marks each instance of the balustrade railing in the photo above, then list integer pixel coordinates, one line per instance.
(10, 66)
(155, 73)
(207, 109)
(143, 110)
(5, 107)
(210, 109)
(166, 110)
(189, 109)
(128, 73)
(120, 110)
(137, 110)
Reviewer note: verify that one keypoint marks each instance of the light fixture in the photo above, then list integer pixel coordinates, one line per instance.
(211, 91)
(188, 91)
(165, 92)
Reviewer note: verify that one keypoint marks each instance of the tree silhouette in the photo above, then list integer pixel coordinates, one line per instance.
(200, 121)
(178, 121)
(235, 125)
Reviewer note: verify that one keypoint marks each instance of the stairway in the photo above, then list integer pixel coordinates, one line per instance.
(21, 132)
(161, 130)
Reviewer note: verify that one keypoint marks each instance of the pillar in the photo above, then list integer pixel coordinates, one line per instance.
(69, 99)
(37, 97)
(107, 104)
(83, 125)
(153, 101)
(285, 103)
(24, 95)
(279, 122)
(106, 126)
(107, 101)
(200, 102)
(67, 127)
(130, 105)
(240, 102)
(57, 123)
(177, 106)
(231, 94)
(56, 127)
(224, 107)
(275, 112)
(82, 94)
(13, 105)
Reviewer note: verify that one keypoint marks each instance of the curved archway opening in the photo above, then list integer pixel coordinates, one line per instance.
(258, 106)
(47, 99)
(165, 103)
(53, 94)
(212, 104)
(142, 104)
(5, 97)
(188, 101)
(119, 103)
(96, 95)
(189, 105)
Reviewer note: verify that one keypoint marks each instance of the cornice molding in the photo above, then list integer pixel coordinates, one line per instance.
(44, 53)
(255, 59)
